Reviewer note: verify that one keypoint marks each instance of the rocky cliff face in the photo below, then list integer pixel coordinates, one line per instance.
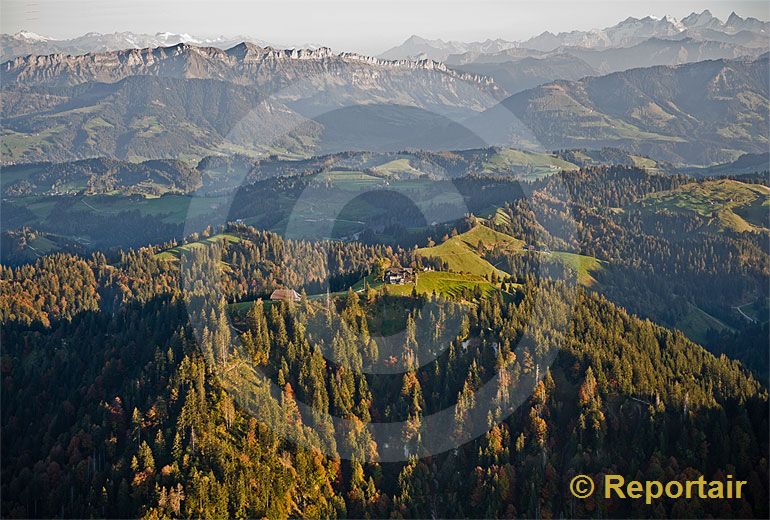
(167, 101)
(245, 63)
(313, 81)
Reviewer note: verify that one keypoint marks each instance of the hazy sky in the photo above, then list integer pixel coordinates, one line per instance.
(368, 26)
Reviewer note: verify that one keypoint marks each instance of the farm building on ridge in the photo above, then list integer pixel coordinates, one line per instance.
(399, 275)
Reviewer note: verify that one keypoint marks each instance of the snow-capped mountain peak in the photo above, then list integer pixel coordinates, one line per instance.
(25, 43)
(631, 31)
(29, 35)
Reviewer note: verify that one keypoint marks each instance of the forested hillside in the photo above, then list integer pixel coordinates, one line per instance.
(116, 406)
(689, 262)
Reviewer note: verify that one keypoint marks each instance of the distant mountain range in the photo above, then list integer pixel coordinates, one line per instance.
(657, 51)
(697, 113)
(187, 102)
(24, 43)
(416, 47)
(290, 74)
(519, 74)
(518, 69)
(193, 101)
(631, 31)
(747, 32)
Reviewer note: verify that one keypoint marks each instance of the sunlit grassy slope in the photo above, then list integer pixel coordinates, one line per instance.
(175, 253)
(461, 251)
(462, 254)
(442, 283)
(724, 203)
(524, 164)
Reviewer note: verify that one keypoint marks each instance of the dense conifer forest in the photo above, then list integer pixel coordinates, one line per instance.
(130, 388)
